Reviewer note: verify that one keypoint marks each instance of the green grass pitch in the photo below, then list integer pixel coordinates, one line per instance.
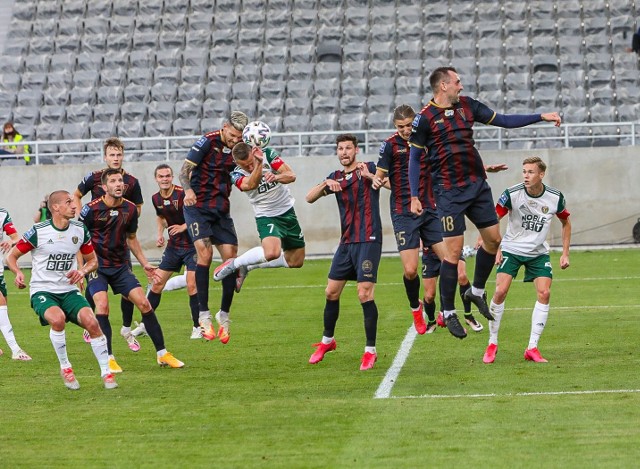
(256, 402)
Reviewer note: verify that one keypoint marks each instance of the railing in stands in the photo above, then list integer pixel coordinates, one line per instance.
(311, 143)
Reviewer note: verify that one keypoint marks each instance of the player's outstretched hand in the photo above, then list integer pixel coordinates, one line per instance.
(552, 117)
(496, 168)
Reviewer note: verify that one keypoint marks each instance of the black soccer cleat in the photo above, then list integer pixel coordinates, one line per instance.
(454, 326)
(480, 302)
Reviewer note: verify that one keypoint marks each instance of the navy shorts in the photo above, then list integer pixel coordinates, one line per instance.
(212, 224)
(410, 229)
(356, 261)
(430, 264)
(174, 258)
(120, 279)
(475, 201)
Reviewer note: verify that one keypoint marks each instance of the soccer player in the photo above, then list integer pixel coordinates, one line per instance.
(411, 230)
(263, 176)
(168, 203)
(358, 254)
(5, 324)
(54, 245)
(444, 129)
(206, 179)
(113, 150)
(530, 207)
(113, 221)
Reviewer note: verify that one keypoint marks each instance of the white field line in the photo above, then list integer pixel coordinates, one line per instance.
(519, 394)
(384, 390)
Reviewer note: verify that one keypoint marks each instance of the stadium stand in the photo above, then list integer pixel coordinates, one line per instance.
(82, 68)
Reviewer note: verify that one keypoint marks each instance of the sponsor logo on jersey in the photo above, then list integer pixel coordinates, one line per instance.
(113, 213)
(448, 113)
(50, 241)
(166, 202)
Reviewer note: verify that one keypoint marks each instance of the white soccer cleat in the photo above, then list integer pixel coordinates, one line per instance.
(139, 330)
(196, 333)
(21, 355)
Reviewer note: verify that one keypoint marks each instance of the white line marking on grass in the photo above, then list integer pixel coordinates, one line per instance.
(518, 394)
(384, 390)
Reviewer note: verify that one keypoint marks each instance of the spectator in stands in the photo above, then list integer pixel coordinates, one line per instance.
(11, 135)
(43, 212)
(635, 43)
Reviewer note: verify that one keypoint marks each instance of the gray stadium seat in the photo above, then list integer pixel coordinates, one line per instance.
(164, 91)
(244, 90)
(191, 109)
(106, 112)
(130, 129)
(56, 96)
(218, 90)
(299, 88)
(188, 91)
(247, 72)
(215, 107)
(85, 60)
(102, 129)
(78, 113)
(109, 94)
(194, 58)
(170, 58)
(271, 89)
(48, 131)
(379, 120)
(356, 70)
(382, 68)
(381, 104)
(169, 75)
(114, 76)
(186, 126)
(301, 71)
(133, 111)
(382, 86)
(327, 87)
(52, 114)
(353, 87)
(160, 110)
(325, 104)
(297, 106)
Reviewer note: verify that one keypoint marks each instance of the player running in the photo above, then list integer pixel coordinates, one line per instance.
(168, 203)
(55, 297)
(113, 221)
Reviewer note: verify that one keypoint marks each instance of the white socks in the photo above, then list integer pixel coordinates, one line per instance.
(252, 256)
(327, 340)
(538, 321)
(494, 326)
(477, 291)
(370, 350)
(176, 282)
(279, 262)
(7, 330)
(59, 342)
(99, 347)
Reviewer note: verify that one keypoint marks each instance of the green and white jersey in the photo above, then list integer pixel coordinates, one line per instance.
(6, 226)
(53, 254)
(529, 219)
(268, 199)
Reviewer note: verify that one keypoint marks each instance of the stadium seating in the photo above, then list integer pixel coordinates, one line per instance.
(126, 66)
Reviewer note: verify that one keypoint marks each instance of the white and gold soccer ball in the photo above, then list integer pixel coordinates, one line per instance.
(256, 134)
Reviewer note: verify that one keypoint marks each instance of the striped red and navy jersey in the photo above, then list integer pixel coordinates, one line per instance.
(170, 208)
(92, 182)
(211, 174)
(109, 228)
(394, 161)
(359, 205)
(447, 136)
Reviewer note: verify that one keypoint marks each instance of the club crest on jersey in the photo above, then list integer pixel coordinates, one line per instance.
(75, 240)
(461, 112)
(175, 204)
(545, 210)
(448, 113)
(113, 213)
(367, 266)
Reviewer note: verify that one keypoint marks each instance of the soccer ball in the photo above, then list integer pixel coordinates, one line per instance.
(256, 134)
(468, 251)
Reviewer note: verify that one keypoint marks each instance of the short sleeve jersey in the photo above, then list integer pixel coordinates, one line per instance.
(53, 254)
(109, 228)
(359, 206)
(529, 219)
(92, 182)
(7, 227)
(447, 136)
(394, 161)
(211, 174)
(170, 208)
(269, 199)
